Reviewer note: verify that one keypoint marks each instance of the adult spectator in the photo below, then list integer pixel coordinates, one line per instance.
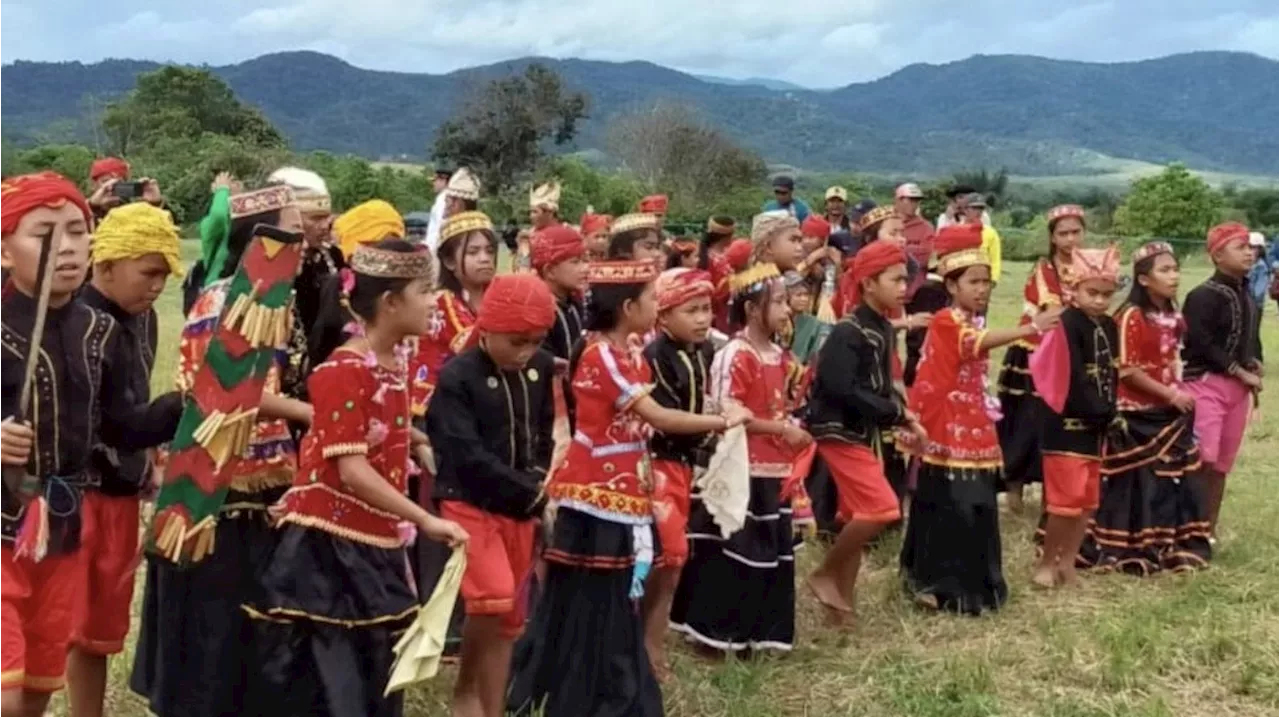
(973, 207)
(784, 199)
(837, 208)
(917, 232)
(415, 226)
(438, 184)
(105, 174)
(1261, 274)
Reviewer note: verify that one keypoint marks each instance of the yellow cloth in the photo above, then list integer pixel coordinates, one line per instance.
(366, 223)
(419, 650)
(135, 230)
(991, 245)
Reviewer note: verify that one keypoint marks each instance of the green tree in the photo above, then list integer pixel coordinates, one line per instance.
(501, 132)
(1261, 207)
(1173, 204)
(70, 160)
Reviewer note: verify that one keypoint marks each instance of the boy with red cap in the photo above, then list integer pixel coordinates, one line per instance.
(1222, 357)
(558, 255)
(595, 231)
(851, 401)
(655, 204)
(77, 399)
(679, 358)
(489, 422)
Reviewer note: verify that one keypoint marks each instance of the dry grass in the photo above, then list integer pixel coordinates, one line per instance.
(1186, 645)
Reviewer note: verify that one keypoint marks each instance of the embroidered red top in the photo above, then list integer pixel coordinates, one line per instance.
(361, 408)
(757, 380)
(445, 338)
(1042, 290)
(1150, 342)
(950, 395)
(718, 267)
(606, 470)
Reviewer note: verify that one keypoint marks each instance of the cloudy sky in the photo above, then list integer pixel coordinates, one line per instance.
(817, 43)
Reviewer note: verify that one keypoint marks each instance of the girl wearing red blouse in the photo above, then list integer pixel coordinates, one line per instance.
(337, 591)
(739, 594)
(951, 557)
(1021, 408)
(583, 652)
(1151, 515)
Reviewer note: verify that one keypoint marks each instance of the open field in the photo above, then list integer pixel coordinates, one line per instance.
(1185, 645)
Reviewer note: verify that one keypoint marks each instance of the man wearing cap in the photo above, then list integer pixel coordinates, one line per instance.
(917, 232)
(973, 207)
(1260, 274)
(837, 199)
(438, 184)
(784, 199)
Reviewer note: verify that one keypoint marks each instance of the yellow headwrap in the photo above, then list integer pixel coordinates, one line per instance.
(366, 223)
(135, 230)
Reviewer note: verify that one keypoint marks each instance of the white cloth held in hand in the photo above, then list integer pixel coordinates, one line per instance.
(725, 487)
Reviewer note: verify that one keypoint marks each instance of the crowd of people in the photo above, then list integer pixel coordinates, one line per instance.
(358, 396)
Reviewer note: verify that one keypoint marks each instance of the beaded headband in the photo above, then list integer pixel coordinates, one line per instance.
(383, 264)
(1150, 249)
(1065, 210)
(962, 259)
(714, 227)
(465, 223)
(628, 222)
(754, 278)
(261, 201)
(874, 216)
(622, 272)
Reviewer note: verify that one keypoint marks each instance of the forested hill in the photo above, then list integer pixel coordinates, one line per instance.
(1210, 110)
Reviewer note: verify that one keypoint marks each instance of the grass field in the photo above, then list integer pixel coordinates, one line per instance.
(1185, 645)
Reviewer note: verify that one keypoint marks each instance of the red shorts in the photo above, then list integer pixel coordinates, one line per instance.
(39, 603)
(110, 538)
(672, 482)
(1072, 484)
(862, 490)
(499, 556)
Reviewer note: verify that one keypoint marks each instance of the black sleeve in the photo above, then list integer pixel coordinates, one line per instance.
(544, 417)
(1200, 312)
(453, 429)
(128, 424)
(839, 373)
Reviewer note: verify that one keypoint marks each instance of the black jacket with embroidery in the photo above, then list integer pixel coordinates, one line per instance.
(852, 397)
(1093, 345)
(680, 382)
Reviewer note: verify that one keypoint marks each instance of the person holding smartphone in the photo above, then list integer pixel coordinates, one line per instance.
(112, 187)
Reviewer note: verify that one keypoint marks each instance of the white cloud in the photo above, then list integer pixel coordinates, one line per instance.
(812, 42)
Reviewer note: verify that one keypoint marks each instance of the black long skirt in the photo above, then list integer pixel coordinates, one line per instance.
(1152, 515)
(739, 594)
(330, 612)
(583, 651)
(194, 656)
(952, 546)
(1022, 412)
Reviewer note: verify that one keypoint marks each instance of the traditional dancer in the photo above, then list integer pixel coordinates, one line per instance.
(193, 656)
(951, 558)
(558, 255)
(1152, 515)
(679, 357)
(1021, 409)
(778, 241)
(77, 397)
(544, 212)
(584, 651)
(135, 250)
(595, 230)
(754, 569)
(1223, 358)
(336, 591)
(1074, 371)
(490, 423)
(711, 259)
(636, 237)
(367, 223)
(851, 402)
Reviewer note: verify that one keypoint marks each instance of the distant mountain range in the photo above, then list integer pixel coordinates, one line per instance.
(765, 82)
(1034, 116)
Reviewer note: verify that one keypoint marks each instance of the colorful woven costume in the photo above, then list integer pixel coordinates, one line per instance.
(222, 402)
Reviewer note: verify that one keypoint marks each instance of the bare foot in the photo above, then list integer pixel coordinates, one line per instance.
(1013, 499)
(661, 668)
(1066, 576)
(928, 601)
(1045, 577)
(827, 591)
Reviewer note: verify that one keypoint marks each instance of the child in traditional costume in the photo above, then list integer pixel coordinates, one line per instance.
(1152, 515)
(544, 213)
(336, 589)
(711, 259)
(79, 398)
(1021, 409)
(851, 402)
(135, 250)
(558, 255)
(193, 655)
(636, 237)
(584, 651)
(754, 569)
(490, 423)
(679, 357)
(1074, 370)
(595, 231)
(951, 557)
(778, 241)
(1223, 356)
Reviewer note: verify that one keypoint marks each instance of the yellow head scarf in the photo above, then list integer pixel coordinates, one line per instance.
(135, 230)
(366, 223)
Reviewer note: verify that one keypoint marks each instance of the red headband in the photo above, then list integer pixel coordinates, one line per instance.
(869, 262)
(29, 191)
(957, 237)
(108, 165)
(677, 286)
(516, 304)
(557, 243)
(1223, 234)
(816, 226)
(739, 254)
(654, 204)
(592, 223)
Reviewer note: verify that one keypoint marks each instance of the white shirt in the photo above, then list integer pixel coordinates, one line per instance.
(436, 221)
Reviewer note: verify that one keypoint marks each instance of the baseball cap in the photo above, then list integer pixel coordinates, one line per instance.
(1257, 239)
(908, 191)
(974, 199)
(837, 192)
(784, 182)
